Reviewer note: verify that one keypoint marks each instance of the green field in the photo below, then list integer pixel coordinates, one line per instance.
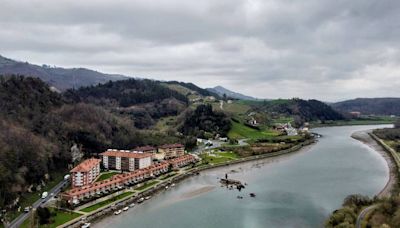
(146, 185)
(58, 217)
(107, 175)
(282, 120)
(106, 202)
(234, 108)
(240, 131)
(218, 157)
(178, 88)
(61, 217)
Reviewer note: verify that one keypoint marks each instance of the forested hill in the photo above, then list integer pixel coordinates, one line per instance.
(307, 110)
(376, 106)
(125, 93)
(61, 78)
(38, 127)
(194, 88)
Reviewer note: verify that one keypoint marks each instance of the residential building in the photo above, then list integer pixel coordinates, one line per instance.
(146, 149)
(116, 182)
(290, 131)
(85, 173)
(172, 150)
(355, 114)
(126, 160)
(119, 181)
(182, 161)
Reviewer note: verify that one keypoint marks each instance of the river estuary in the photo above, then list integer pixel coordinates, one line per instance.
(296, 190)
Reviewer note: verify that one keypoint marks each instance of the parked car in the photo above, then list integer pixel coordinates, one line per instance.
(44, 195)
(27, 209)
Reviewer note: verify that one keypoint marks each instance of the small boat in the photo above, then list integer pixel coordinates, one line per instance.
(117, 212)
(252, 195)
(172, 185)
(86, 225)
(147, 197)
(125, 208)
(166, 187)
(140, 200)
(131, 205)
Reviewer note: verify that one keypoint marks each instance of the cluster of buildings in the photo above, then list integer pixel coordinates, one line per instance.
(137, 163)
(291, 131)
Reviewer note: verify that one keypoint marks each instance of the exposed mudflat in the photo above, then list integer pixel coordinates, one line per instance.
(364, 137)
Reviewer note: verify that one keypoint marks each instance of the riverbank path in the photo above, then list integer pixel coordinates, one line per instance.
(363, 213)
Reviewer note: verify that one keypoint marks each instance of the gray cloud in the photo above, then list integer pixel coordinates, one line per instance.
(328, 50)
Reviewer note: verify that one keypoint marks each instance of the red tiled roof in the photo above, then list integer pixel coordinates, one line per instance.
(176, 145)
(116, 179)
(129, 154)
(144, 148)
(181, 158)
(86, 165)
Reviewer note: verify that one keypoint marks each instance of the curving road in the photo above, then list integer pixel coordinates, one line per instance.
(21, 218)
(363, 213)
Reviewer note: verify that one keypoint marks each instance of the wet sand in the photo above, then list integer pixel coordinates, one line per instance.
(365, 138)
(198, 192)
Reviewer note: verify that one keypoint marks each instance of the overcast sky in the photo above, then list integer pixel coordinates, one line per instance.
(329, 50)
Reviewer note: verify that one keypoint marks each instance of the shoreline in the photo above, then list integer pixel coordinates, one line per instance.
(365, 138)
(103, 213)
(349, 124)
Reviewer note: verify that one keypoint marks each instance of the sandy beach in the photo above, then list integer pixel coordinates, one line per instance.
(365, 138)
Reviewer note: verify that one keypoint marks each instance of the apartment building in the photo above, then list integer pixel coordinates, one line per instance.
(146, 149)
(126, 160)
(85, 173)
(75, 195)
(172, 150)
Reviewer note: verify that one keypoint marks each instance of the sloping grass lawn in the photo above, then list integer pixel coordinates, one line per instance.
(105, 176)
(58, 217)
(146, 185)
(106, 202)
(61, 217)
(227, 154)
(235, 107)
(240, 131)
(168, 176)
(219, 157)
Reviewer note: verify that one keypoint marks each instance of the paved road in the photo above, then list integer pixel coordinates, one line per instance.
(363, 213)
(54, 191)
(201, 148)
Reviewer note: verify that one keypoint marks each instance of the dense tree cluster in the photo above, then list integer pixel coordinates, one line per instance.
(38, 128)
(195, 88)
(303, 110)
(204, 120)
(124, 93)
(347, 216)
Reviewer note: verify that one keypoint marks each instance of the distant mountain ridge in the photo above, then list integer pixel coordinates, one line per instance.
(221, 91)
(60, 78)
(369, 106)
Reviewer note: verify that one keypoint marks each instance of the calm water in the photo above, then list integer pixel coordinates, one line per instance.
(297, 190)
